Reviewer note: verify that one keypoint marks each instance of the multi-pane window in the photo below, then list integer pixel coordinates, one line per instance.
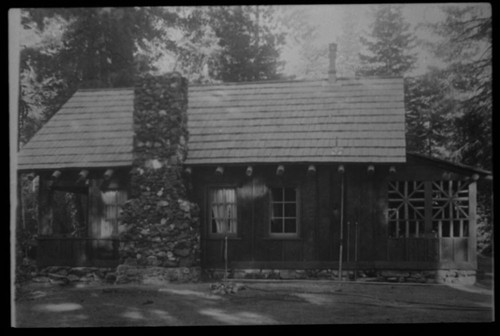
(70, 213)
(450, 208)
(112, 201)
(449, 204)
(284, 211)
(223, 211)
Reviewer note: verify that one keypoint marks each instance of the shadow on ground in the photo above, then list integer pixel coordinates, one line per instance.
(259, 303)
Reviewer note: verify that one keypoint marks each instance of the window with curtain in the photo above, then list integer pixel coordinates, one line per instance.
(284, 211)
(223, 211)
(112, 201)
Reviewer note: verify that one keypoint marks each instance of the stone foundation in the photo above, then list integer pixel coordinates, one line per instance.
(156, 275)
(403, 276)
(64, 275)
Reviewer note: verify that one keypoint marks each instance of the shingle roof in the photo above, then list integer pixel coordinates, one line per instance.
(356, 120)
(93, 129)
(298, 121)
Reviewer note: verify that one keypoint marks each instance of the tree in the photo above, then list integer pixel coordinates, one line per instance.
(82, 47)
(429, 117)
(465, 45)
(305, 58)
(250, 49)
(389, 46)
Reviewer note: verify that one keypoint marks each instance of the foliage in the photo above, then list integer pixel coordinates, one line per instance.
(250, 49)
(301, 34)
(81, 47)
(465, 44)
(430, 112)
(389, 45)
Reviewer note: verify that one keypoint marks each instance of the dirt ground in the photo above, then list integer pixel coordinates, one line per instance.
(260, 303)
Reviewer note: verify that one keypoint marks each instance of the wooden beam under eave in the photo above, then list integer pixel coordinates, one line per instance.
(82, 176)
(219, 171)
(280, 170)
(108, 174)
(55, 175)
(249, 171)
(311, 170)
(370, 170)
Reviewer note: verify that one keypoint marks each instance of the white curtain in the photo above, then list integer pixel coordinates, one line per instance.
(224, 210)
(112, 201)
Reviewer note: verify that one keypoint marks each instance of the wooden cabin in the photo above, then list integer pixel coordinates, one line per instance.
(288, 175)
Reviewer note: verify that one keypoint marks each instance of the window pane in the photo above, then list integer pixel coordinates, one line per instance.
(289, 195)
(276, 225)
(456, 228)
(413, 229)
(277, 194)
(466, 228)
(290, 226)
(392, 229)
(223, 211)
(69, 214)
(290, 210)
(214, 225)
(278, 210)
(445, 229)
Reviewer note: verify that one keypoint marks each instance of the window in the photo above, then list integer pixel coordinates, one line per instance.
(449, 207)
(284, 211)
(112, 201)
(223, 211)
(70, 213)
(406, 209)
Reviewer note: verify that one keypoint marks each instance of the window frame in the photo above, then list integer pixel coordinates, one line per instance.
(446, 194)
(208, 214)
(285, 235)
(82, 191)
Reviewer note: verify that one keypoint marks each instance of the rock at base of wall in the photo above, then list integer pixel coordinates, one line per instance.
(401, 276)
(154, 275)
(73, 275)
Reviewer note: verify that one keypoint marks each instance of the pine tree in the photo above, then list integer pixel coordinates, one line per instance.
(429, 113)
(98, 47)
(465, 45)
(389, 45)
(250, 49)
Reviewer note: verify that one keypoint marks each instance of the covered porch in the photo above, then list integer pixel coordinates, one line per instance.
(78, 216)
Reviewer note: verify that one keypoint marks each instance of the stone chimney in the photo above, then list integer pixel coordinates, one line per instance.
(332, 72)
(159, 227)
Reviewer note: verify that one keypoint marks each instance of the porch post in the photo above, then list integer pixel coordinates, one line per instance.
(472, 246)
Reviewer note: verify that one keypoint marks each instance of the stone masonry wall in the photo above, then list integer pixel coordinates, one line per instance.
(402, 276)
(159, 227)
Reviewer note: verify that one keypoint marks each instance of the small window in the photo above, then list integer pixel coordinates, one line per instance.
(406, 200)
(283, 211)
(112, 201)
(223, 211)
(70, 213)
